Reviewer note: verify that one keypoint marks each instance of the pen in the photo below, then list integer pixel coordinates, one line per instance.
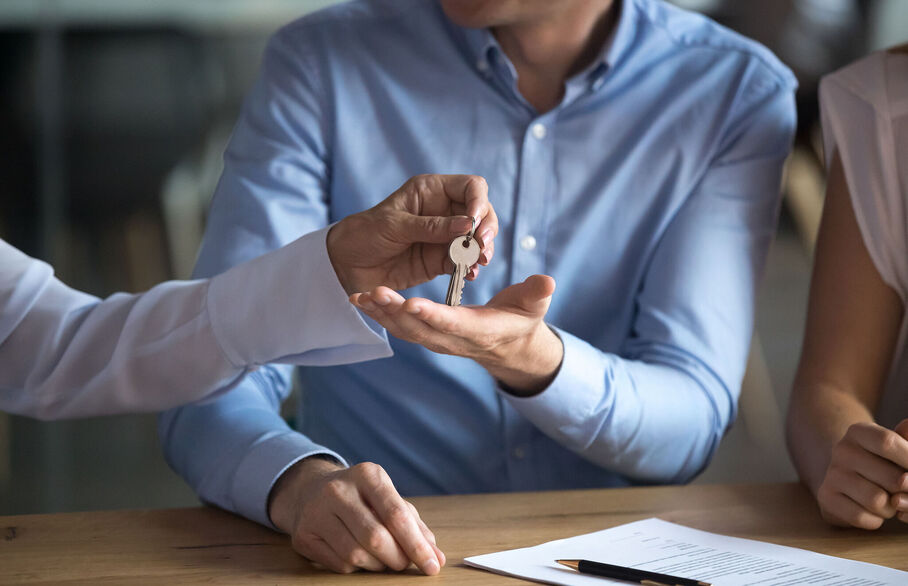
(629, 574)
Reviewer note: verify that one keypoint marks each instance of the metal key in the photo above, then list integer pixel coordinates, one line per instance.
(464, 253)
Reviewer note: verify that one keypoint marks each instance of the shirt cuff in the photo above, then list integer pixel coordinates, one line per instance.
(288, 306)
(261, 467)
(577, 392)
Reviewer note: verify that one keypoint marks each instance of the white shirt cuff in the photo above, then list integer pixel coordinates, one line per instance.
(288, 306)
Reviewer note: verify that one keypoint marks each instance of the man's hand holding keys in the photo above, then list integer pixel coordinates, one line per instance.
(348, 519)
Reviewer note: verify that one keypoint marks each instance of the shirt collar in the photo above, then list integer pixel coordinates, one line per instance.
(482, 45)
(619, 43)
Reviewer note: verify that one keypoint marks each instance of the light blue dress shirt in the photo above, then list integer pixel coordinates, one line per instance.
(650, 195)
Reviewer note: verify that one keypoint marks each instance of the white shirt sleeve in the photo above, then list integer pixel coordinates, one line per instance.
(64, 353)
(865, 121)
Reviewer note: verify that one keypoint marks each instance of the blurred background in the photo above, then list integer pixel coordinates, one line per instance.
(113, 118)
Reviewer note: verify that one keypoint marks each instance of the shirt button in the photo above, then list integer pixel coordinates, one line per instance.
(539, 130)
(598, 83)
(519, 453)
(482, 65)
(528, 243)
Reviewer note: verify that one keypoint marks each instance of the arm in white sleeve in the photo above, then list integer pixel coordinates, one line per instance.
(64, 353)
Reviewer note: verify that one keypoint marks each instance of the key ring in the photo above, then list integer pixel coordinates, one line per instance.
(472, 228)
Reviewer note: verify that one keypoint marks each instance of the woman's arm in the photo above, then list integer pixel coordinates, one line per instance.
(850, 463)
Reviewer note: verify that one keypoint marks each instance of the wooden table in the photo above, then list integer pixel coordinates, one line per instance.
(206, 545)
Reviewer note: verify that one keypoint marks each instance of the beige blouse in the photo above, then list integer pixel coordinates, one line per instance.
(865, 119)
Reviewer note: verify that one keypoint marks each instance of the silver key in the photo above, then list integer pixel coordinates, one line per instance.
(464, 253)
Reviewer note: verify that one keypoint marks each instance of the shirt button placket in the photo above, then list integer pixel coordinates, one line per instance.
(533, 186)
(539, 130)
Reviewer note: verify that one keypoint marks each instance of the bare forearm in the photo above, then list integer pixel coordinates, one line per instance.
(818, 417)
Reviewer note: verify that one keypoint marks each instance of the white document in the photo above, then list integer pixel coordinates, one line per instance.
(667, 548)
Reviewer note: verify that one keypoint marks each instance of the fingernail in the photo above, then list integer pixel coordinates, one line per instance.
(383, 300)
(414, 309)
(461, 225)
(901, 502)
(486, 237)
(367, 304)
(431, 567)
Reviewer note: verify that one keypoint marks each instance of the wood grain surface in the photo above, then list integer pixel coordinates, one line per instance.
(204, 545)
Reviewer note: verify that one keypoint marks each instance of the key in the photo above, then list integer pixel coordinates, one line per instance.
(464, 253)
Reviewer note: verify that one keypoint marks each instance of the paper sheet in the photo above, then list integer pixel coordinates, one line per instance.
(667, 548)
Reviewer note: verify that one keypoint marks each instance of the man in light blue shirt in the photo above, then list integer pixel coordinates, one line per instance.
(633, 152)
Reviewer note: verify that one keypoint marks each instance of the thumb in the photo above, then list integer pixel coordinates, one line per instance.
(531, 297)
(433, 229)
(902, 428)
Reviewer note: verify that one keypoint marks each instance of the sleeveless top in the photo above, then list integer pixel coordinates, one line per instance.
(865, 119)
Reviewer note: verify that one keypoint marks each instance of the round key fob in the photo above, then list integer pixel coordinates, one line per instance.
(464, 251)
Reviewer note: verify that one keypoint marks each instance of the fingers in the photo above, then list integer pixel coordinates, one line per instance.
(386, 307)
(438, 195)
(532, 297)
(865, 480)
(396, 515)
(899, 502)
(487, 230)
(454, 330)
(838, 509)
(365, 542)
(346, 540)
(877, 470)
(880, 441)
(319, 552)
(429, 535)
(539, 287)
(434, 229)
(488, 249)
(470, 190)
(860, 490)
(418, 318)
(902, 428)
(350, 519)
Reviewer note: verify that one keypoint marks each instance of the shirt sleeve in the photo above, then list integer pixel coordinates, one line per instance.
(657, 410)
(273, 190)
(859, 127)
(64, 353)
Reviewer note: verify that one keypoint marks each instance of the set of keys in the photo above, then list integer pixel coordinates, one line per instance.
(464, 253)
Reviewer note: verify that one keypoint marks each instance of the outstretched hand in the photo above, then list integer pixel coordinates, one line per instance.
(507, 336)
(403, 241)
